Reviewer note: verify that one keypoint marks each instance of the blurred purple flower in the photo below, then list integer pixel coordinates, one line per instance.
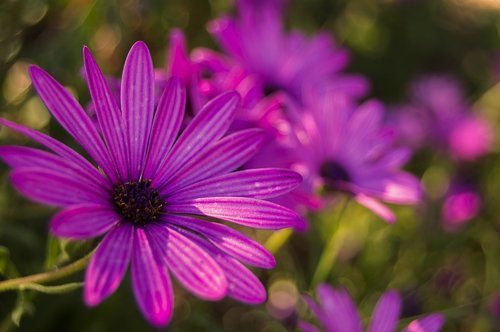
(152, 190)
(263, 58)
(338, 147)
(461, 204)
(438, 115)
(337, 313)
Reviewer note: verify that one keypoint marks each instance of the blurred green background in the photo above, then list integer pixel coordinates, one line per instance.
(391, 42)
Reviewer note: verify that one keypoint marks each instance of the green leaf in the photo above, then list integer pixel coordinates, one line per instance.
(23, 306)
(75, 249)
(54, 254)
(7, 268)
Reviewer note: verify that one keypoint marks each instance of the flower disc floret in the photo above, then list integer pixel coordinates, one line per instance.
(137, 201)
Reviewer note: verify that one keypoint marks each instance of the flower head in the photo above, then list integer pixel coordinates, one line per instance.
(337, 313)
(154, 193)
(338, 147)
(261, 53)
(438, 115)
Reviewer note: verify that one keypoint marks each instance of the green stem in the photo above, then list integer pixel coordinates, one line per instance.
(330, 253)
(76, 266)
(277, 240)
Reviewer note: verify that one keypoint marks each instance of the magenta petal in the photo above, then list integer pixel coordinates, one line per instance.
(54, 145)
(72, 117)
(431, 323)
(342, 313)
(54, 188)
(306, 327)
(25, 157)
(228, 241)
(395, 158)
(190, 264)
(224, 31)
(398, 187)
(205, 129)
(150, 281)
(243, 285)
(244, 211)
(178, 62)
(166, 124)
(315, 308)
(83, 221)
(137, 100)
(261, 183)
(108, 113)
(108, 265)
(225, 156)
(386, 313)
(376, 207)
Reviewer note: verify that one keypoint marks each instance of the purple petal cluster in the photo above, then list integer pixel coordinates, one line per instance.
(439, 116)
(278, 60)
(337, 312)
(340, 147)
(155, 193)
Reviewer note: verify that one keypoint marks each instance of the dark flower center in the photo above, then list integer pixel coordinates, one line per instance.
(332, 173)
(137, 201)
(270, 89)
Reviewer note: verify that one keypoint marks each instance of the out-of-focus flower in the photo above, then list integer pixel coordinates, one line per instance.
(494, 305)
(461, 204)
(337, 313)
(151, 190)
(439, 116)
(260, 54)
(337, 146)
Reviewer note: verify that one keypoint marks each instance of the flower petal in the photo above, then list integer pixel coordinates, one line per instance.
(137, 100)
(396, 187)
(241, 210)
(108, 113)
(166, 125)
(23, 157)
(151, 283)
(205, 129)
(227, 35)
(243, 285)
(306, 327)
(430, 323)
(260, 183)
(386, 313)
(108, 265)
(54, 188)
(227, 240)
(178, 61)
(376, 207)
(83, 221)
(72, 117)
(190, 264)
(342, 314)
(52, 144)
(225, 156)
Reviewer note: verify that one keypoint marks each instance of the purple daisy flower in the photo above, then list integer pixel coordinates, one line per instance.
(337, 313)
(439, 116)
(338, 147)
(154, 193)
(274, 59)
